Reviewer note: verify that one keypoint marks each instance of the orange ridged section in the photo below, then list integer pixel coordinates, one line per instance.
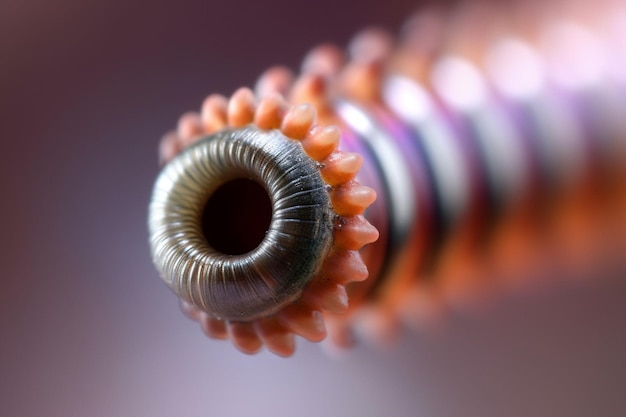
(344, 266)
(244, 337)
(341, 167)
(322, 142)
(270, 112)
(354, 232)
(276, 337)
(214, 110)
(214, 328)
(351, 199)
(241, 108)
(298, 121)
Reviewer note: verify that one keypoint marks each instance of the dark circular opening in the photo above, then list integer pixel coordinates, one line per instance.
(237, 216)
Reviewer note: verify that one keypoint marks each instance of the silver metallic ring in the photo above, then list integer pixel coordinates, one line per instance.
(193, 255)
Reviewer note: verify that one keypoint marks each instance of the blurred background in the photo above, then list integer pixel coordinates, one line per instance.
(87, 88)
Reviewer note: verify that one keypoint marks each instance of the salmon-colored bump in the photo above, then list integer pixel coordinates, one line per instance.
(362, 81)
(214, 113)
(298, 121)
(189, 128)
(213, 327)
(345, 266)
(276, 338)
(191, 311)
(244, 337)
(327, 295)
(303, 321)
(320, 144)
(352, 198)
(325, 60)
(241, 108)
(309, 88)
(340, 167)
(169, 147)
(270, 113)
(281, 344)
(354, 232)
(276, 80)
(373, 44)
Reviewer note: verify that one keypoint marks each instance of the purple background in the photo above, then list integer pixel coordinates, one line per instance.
(86, 90)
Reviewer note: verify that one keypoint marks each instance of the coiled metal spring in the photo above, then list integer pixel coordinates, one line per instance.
(493, 156)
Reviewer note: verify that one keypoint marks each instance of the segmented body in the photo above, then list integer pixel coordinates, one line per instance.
(495, 144)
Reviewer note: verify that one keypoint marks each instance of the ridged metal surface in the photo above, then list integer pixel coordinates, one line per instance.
(240, 287)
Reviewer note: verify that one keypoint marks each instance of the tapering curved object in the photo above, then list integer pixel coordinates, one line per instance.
(492, 156)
